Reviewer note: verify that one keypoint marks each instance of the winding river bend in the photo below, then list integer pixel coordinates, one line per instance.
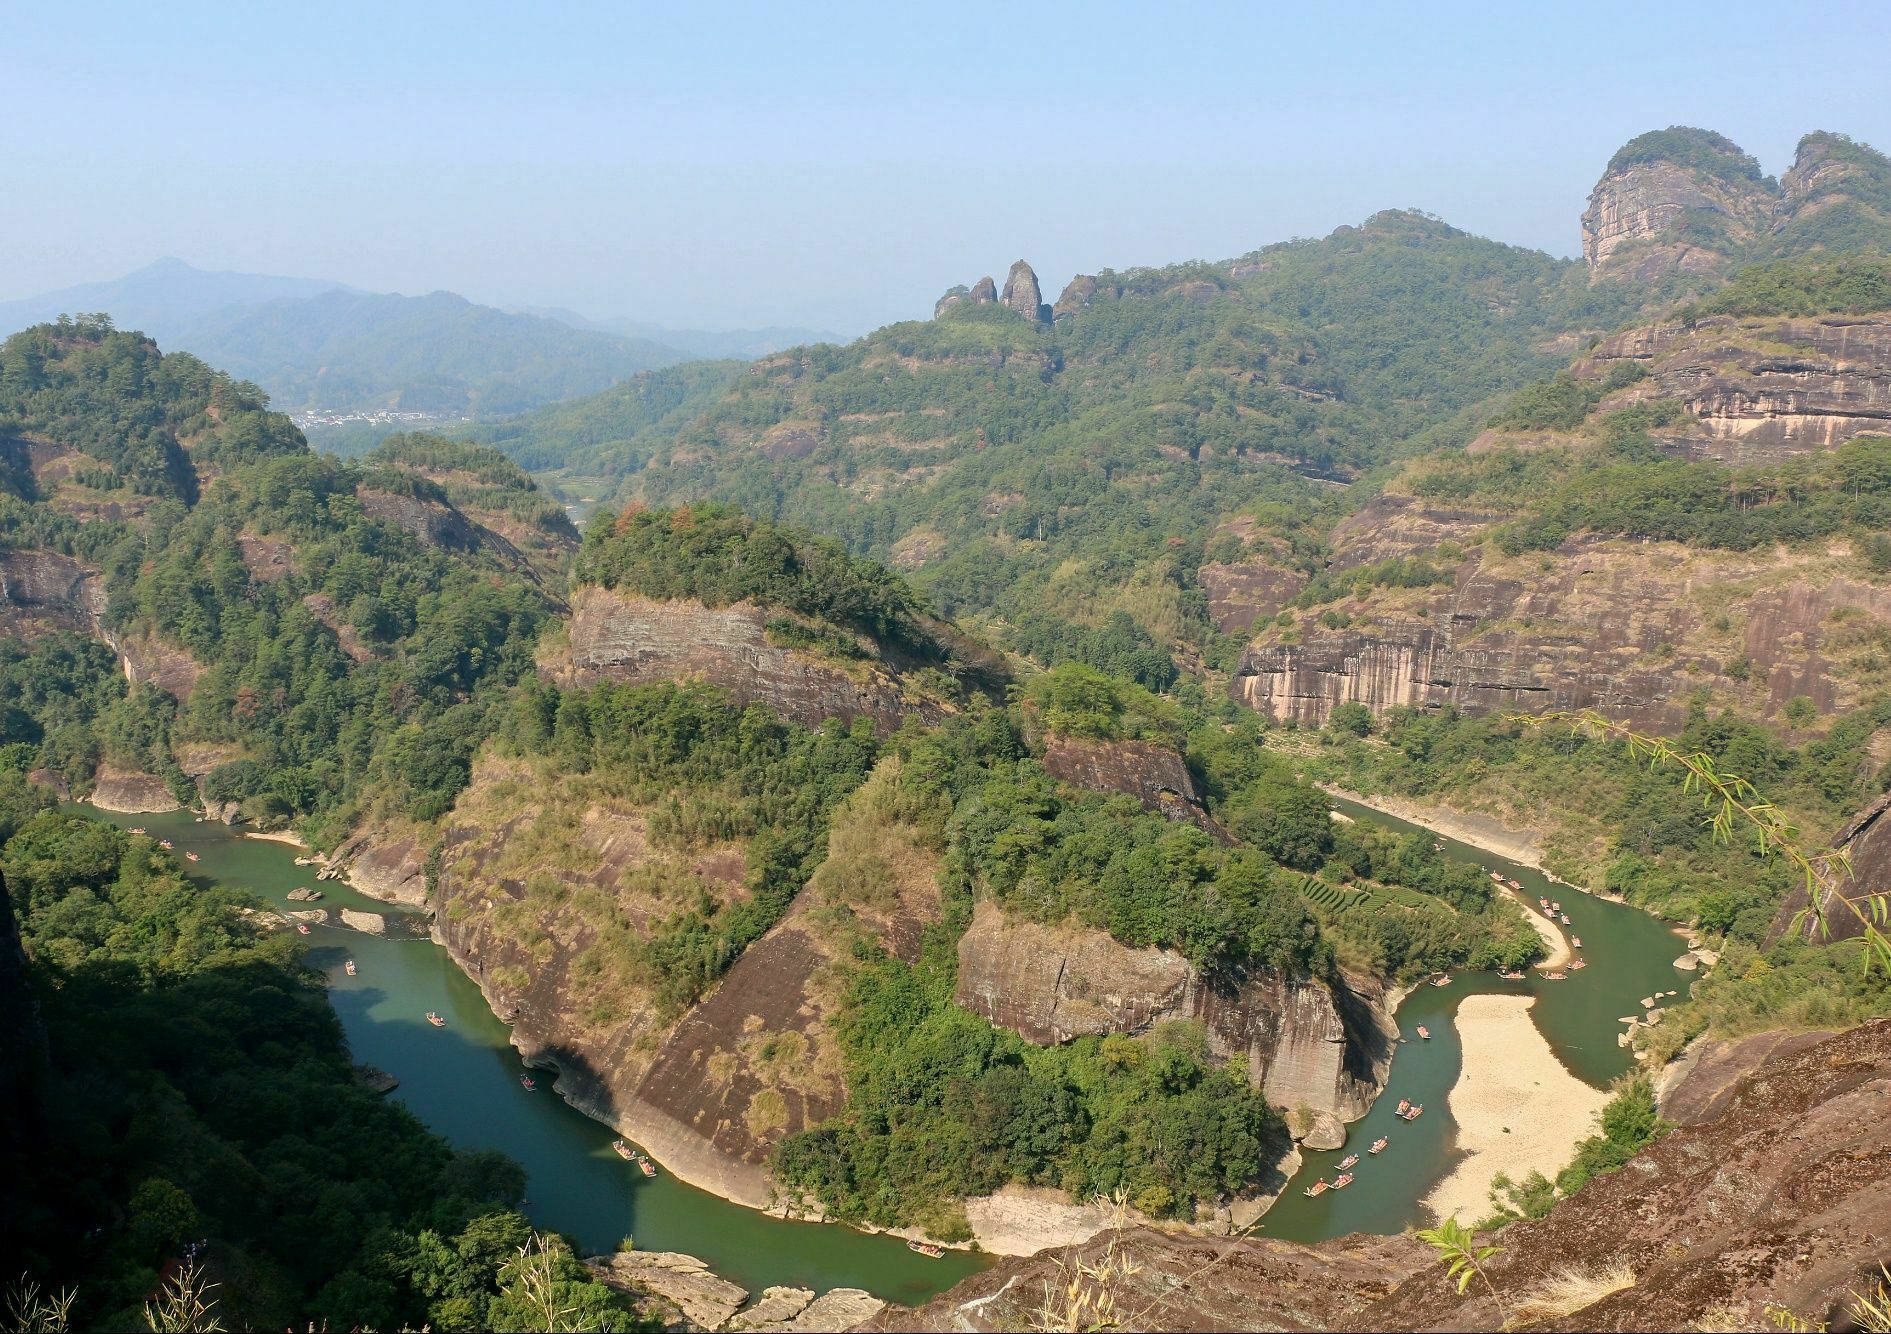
(463, 1082)
(1630, 955)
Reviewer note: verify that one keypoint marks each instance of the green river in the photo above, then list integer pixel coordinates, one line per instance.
(463, 1082)
(1630, 955)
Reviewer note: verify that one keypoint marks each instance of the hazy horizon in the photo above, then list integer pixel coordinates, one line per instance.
(738, 166)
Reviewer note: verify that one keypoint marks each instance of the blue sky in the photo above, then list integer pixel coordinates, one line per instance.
(840, 165)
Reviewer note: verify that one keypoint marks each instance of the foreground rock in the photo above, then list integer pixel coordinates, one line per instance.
(681, 1284)
(1777, 1201)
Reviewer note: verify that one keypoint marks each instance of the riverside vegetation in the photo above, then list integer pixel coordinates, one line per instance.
(336, 645)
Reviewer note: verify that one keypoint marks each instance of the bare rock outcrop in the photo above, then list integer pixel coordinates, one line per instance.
(617, 636)
(1152, 773)
(682, 1285)
(1674, 200)
(42, 591)
(1774, 1202)
(984, 291)
(1021, 295)
(384, 863)
(131, 793)
(1077, 294)
(1306, 1045)
(1634, 628)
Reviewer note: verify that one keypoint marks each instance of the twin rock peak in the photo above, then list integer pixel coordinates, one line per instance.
(1021, 295)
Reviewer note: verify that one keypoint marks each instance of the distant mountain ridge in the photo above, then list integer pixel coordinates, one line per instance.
(161, 299)
(316, 344)
(438, 353)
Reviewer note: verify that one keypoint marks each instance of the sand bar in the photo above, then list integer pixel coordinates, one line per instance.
(1556, 951)
(1517, 1109)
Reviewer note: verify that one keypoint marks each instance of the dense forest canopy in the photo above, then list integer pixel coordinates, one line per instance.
(341, 658)
(195, 1084)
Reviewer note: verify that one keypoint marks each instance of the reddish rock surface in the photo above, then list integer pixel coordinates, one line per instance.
(622, 637)
(1305, 1044)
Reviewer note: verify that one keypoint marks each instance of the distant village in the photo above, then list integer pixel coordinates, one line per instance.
(370, 417)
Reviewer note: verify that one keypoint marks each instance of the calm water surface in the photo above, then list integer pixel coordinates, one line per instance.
(462, 1080)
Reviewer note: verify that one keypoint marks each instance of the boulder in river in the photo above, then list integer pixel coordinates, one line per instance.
(303, 894)
(1324, 1132)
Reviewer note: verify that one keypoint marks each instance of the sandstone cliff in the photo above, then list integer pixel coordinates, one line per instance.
(545, 892)
(1676, 200)
(1775, 1201)
(1633, 628)
(1306, 1044)
(615, 636)
(1758, 391)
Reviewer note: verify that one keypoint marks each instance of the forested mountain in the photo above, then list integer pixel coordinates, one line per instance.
(1076, 469)
(905, 789)
(438, 354)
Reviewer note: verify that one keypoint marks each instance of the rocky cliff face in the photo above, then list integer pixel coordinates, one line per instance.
(1632, 628)
(1021, 294)
(1306, 1045)
(1679, 200)
(622, 637)
(1776, 1201)
(544, 892)
(42, 591)
(1759, 391)
(1153, 774)
(1684, 203)
(1866, 838)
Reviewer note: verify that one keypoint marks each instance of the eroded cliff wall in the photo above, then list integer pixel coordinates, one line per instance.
(1306, 1044)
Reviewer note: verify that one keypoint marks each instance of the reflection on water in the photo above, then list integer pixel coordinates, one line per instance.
(1629, 954)
(462, 1080)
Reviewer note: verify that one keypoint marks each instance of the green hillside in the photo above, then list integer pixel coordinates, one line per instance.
(1080, 468)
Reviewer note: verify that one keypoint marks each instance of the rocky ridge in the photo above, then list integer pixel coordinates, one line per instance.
(1687, 205)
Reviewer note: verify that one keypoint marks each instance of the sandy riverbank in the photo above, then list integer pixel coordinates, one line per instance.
(1517, 1109)
(1556, 950)
(277, 836)
(1484, 832)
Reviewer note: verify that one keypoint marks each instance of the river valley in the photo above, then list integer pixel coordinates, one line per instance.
(462, 1080)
